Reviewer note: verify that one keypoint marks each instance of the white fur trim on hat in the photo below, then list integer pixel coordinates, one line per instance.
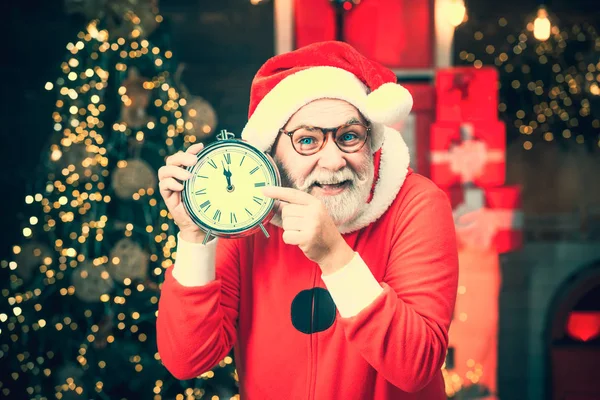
(299, 89)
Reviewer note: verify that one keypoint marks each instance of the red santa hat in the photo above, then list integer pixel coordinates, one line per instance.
(332, 70)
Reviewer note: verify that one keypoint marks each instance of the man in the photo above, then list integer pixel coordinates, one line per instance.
(352, 295)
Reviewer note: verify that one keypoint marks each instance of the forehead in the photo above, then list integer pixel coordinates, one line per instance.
(324, 113)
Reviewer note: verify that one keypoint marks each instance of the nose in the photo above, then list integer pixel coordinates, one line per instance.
(331, 157)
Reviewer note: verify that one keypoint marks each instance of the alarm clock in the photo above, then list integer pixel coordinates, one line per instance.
(223, 196)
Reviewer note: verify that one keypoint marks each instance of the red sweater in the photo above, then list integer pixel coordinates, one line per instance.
(289, 340)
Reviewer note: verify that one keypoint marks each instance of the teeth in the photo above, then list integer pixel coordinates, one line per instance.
(330, 184)
(321, 184)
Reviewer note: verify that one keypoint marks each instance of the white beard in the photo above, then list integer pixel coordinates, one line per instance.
(345, 206)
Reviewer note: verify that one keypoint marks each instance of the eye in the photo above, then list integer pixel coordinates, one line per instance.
(349, 136)
(306, 140)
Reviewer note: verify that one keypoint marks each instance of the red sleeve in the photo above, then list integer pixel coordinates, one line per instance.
(403, 333)
(196, 326)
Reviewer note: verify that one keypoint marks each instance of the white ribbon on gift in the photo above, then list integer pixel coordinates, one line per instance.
(477, 225)
(468, 158)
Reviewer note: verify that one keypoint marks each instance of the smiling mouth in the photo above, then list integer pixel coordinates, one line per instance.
(340, 185)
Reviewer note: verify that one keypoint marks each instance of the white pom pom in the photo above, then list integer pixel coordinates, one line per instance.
(389, 104)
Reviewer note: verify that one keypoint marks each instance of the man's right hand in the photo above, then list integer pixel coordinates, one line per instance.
(169, 177)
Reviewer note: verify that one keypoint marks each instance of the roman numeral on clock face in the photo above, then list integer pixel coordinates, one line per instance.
(257, 199)
(205, 204)
(259, 184)
(233, 218)
(201, 191)
(212, 164)
(227, 158)
(254, 170)
(217, 216)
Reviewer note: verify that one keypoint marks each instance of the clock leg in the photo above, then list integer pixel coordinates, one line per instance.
(264, 230)
(207, 237)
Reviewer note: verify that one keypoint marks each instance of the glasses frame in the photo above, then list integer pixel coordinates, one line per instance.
(325, 132)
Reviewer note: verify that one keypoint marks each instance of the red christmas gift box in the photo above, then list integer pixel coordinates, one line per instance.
(396, 33)
(314, 21)
(487, 218)
(467, 94)
(468, 152)
(415, 130)
(506, 205)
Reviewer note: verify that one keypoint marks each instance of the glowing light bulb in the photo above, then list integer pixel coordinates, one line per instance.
(56, 155)
(455, 12)
(541, 25)
(92, 29)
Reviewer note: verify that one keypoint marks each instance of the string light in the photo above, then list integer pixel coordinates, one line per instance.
(541, 25)
(549, 91)
(455, 12)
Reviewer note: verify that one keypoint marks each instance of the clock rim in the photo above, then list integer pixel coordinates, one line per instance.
(231, 233)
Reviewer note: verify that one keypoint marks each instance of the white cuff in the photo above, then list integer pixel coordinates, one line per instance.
(195, 262)
(353, 287)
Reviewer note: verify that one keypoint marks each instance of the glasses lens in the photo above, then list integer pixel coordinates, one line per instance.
(307, 140)
(350, 138)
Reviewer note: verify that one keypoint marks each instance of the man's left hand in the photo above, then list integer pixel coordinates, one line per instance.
(307, 224)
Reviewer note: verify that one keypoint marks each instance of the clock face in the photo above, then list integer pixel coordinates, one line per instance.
(224, 193)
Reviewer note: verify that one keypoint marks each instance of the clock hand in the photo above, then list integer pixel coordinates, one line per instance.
(227, 174)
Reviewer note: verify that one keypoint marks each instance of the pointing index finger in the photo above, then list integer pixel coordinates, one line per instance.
(288, 195)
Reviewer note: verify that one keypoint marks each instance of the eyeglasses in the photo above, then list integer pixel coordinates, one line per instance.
(308, 140)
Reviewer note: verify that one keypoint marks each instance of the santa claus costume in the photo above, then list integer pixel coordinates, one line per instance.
(375, 329)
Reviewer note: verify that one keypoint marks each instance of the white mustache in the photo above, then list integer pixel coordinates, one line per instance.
(328, 178)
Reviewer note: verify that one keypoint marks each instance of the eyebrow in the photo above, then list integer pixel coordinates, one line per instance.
(353, 120)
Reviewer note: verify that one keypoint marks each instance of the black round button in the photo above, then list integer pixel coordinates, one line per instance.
(313, 310)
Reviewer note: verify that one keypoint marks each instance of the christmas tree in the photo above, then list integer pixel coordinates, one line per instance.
(79, 297)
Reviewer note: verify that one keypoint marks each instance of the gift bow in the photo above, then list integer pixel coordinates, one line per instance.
(478, 227)
(468, 158)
